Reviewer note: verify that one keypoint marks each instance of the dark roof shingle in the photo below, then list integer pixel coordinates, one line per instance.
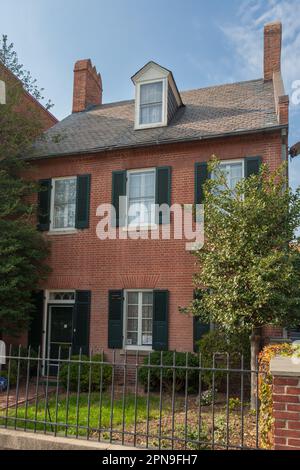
(207, 112)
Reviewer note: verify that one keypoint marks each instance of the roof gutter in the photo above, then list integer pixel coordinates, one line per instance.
(160, 142)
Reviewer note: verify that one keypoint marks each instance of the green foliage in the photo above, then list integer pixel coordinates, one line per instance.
(248, 268)
(265, 387)
(223, 345)
(199, 439)
(91, 411)
(88, 373)
(166, 374)
(9, 58)
(23, 250)
(234, 404)
(206, 397)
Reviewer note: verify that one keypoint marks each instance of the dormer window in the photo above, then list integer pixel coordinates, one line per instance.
(151, 103)
(156, 96)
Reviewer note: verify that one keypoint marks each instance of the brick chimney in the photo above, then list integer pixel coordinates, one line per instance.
(272, 49)
(87, 88)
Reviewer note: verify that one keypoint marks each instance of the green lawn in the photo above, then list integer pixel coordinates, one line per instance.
(96, 416)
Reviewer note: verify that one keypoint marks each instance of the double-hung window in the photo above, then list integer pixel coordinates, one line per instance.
(138, 319)
(233, 171)
(151, 103)
(141, 198)
(63, 203)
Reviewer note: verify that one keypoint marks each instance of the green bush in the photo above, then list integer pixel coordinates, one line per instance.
(220, 343)
(90, 373)
(167, 373)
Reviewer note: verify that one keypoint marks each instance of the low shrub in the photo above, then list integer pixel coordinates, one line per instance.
(198, 439)
(88, 371)
(167, 373)
(234, 404)
(206, 398)
(221, 344)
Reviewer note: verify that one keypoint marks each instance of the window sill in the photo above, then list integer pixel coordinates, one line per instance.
(62, 232)
(133, 352)
(139, 127)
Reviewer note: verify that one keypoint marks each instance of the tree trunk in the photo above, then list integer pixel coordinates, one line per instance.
(255, 339)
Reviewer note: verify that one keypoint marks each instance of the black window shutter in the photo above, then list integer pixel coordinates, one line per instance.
(81, 322)
(44, 199)
(252, 165)
(118, 189)
(115, 319)
(82, 201)
(163, 192)
(35, 329)
(201, 175)
(160, 320)
(199, 328)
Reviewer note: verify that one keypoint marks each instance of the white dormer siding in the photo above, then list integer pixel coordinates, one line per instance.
(2, 92)
(156, 96)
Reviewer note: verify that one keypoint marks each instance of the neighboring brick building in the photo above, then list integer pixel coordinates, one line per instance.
(25, 100)
(126, 293)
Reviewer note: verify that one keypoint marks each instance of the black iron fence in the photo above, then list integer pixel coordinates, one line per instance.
(155, 400)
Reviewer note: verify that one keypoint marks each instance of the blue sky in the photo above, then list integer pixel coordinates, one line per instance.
(202, 42)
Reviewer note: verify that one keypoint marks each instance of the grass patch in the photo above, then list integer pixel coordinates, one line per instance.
(96, 415)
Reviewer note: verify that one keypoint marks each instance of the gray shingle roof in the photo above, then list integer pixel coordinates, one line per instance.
(225, 109)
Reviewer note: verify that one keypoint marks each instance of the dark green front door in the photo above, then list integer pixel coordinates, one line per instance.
(60, 334)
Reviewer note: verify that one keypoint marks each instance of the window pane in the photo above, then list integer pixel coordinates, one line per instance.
(147, 340)
(233, 173)
(151, 93)
(132, 311)
(141, 198)
(148, 184)
(132, 325)
(64, 203)
(61, 296)
(132, 339)
(132, 297)
(150, 114)
(147, 298)
(236, 174)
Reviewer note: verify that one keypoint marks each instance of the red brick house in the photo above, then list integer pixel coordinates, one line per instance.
(124, 293)
(26, 100)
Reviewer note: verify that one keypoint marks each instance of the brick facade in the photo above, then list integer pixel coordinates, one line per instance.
(286, 409)
(81, 261)
(27, 103)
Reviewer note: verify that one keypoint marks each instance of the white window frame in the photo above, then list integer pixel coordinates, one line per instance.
(138, 226)
(229, 162)
(63, 229)
(130, 346)
(164, 120)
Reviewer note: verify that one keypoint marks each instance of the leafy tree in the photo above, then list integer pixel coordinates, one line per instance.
(9, 58)
(22, 248)
(249, 266)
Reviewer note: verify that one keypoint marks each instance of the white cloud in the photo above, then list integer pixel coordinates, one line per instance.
(247, 36)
